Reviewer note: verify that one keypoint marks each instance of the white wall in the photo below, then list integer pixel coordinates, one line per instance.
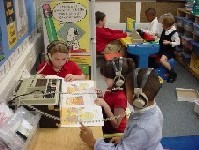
(112, 11)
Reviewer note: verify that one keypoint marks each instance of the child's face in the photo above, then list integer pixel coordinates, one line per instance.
(104, 21)
(149, 18)
(165, 27)
(59, 59)
(109, 82)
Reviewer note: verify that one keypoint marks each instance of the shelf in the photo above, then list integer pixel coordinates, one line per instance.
(179, 59)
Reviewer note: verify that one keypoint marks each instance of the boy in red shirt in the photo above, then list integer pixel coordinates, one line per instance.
(114, 101)
(59, 64)
(107, 40)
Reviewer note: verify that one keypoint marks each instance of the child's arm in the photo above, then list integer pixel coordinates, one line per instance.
(175, 40)
(71, 77)
(115, 122)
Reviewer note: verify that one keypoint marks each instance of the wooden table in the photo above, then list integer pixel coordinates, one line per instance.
(60, 139)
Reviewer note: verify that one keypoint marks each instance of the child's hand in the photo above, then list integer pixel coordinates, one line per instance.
(165, 42)
(100, 102)
(70, 77)
(99, 93)
(86, 135)
(115, 140)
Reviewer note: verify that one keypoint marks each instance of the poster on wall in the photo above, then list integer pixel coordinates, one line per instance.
(21, 18)
(17, 22)
(67, 21)
(84, 63)
(1, 46)
(10, 21)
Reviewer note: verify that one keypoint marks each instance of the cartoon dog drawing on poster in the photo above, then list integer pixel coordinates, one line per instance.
(71, 38)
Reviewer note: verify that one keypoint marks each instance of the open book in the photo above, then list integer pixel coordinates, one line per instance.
(77, 104)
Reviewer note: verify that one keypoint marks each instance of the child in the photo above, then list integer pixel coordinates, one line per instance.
(107, 40)
(153, 27)
(114, 102)
(144, 127)
(59, 64)
(168, 41)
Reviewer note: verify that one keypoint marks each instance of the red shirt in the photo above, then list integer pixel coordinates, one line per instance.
(105, 36)
(115, 99)
(68, 68)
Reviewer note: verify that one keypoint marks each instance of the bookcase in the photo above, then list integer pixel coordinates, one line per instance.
(188, 52)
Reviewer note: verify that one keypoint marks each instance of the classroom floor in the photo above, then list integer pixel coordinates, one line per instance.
(179, 117)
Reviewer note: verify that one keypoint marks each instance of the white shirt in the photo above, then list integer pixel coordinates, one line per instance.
(175, 38)
(154, 27)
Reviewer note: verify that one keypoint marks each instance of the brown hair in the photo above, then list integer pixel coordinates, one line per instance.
(57, 46)
(99, 16)
(151, 87)
(107, 70)
(150, 11)
(167, 20)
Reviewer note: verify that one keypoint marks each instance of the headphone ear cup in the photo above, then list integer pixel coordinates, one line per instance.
(119, 80)
(140, 99)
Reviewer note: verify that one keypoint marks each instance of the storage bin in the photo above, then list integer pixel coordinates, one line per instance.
(196, 107)
(188, 25)
(183, 40)
(196, 29)
(195, 46)
(188, 42)
(186, 57)
(180, 21)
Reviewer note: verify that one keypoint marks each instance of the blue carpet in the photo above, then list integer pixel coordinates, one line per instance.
(181, 142)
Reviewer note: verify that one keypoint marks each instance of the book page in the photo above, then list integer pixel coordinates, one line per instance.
(77, 104)
(88, 115)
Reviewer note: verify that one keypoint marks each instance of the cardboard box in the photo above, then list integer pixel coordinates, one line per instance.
(136, 38)
(189, 95)
(194, 64)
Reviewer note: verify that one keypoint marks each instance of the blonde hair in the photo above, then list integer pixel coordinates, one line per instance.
(167, 20)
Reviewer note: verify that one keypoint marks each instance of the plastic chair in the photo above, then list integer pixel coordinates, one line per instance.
(163, 72)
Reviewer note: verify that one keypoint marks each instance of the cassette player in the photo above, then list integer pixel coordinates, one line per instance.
(43, 95)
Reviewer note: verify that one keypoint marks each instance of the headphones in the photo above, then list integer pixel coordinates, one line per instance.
(140, 99)
(119, 78)
(53, 44)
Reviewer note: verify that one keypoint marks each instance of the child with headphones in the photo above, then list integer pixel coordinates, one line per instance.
(114, 100)
(144, 126)
(58, 63)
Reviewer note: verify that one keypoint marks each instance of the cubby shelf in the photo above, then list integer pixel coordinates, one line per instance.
(187, 34)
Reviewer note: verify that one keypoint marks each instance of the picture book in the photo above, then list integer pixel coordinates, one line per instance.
(77, 104)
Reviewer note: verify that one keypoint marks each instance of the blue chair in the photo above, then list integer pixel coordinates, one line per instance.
(163, 72)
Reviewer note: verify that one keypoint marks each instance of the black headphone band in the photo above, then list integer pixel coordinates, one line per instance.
(144, 78)
(114, 65)
(54, 43)
(118, 70)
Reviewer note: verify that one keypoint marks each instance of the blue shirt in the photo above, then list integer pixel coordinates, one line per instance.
(143, 132)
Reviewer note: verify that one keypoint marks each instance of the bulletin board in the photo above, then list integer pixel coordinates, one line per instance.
(17, 23)
(128, 9)
(161, 8)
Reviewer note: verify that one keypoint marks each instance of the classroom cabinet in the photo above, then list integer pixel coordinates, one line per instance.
(188, 29)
